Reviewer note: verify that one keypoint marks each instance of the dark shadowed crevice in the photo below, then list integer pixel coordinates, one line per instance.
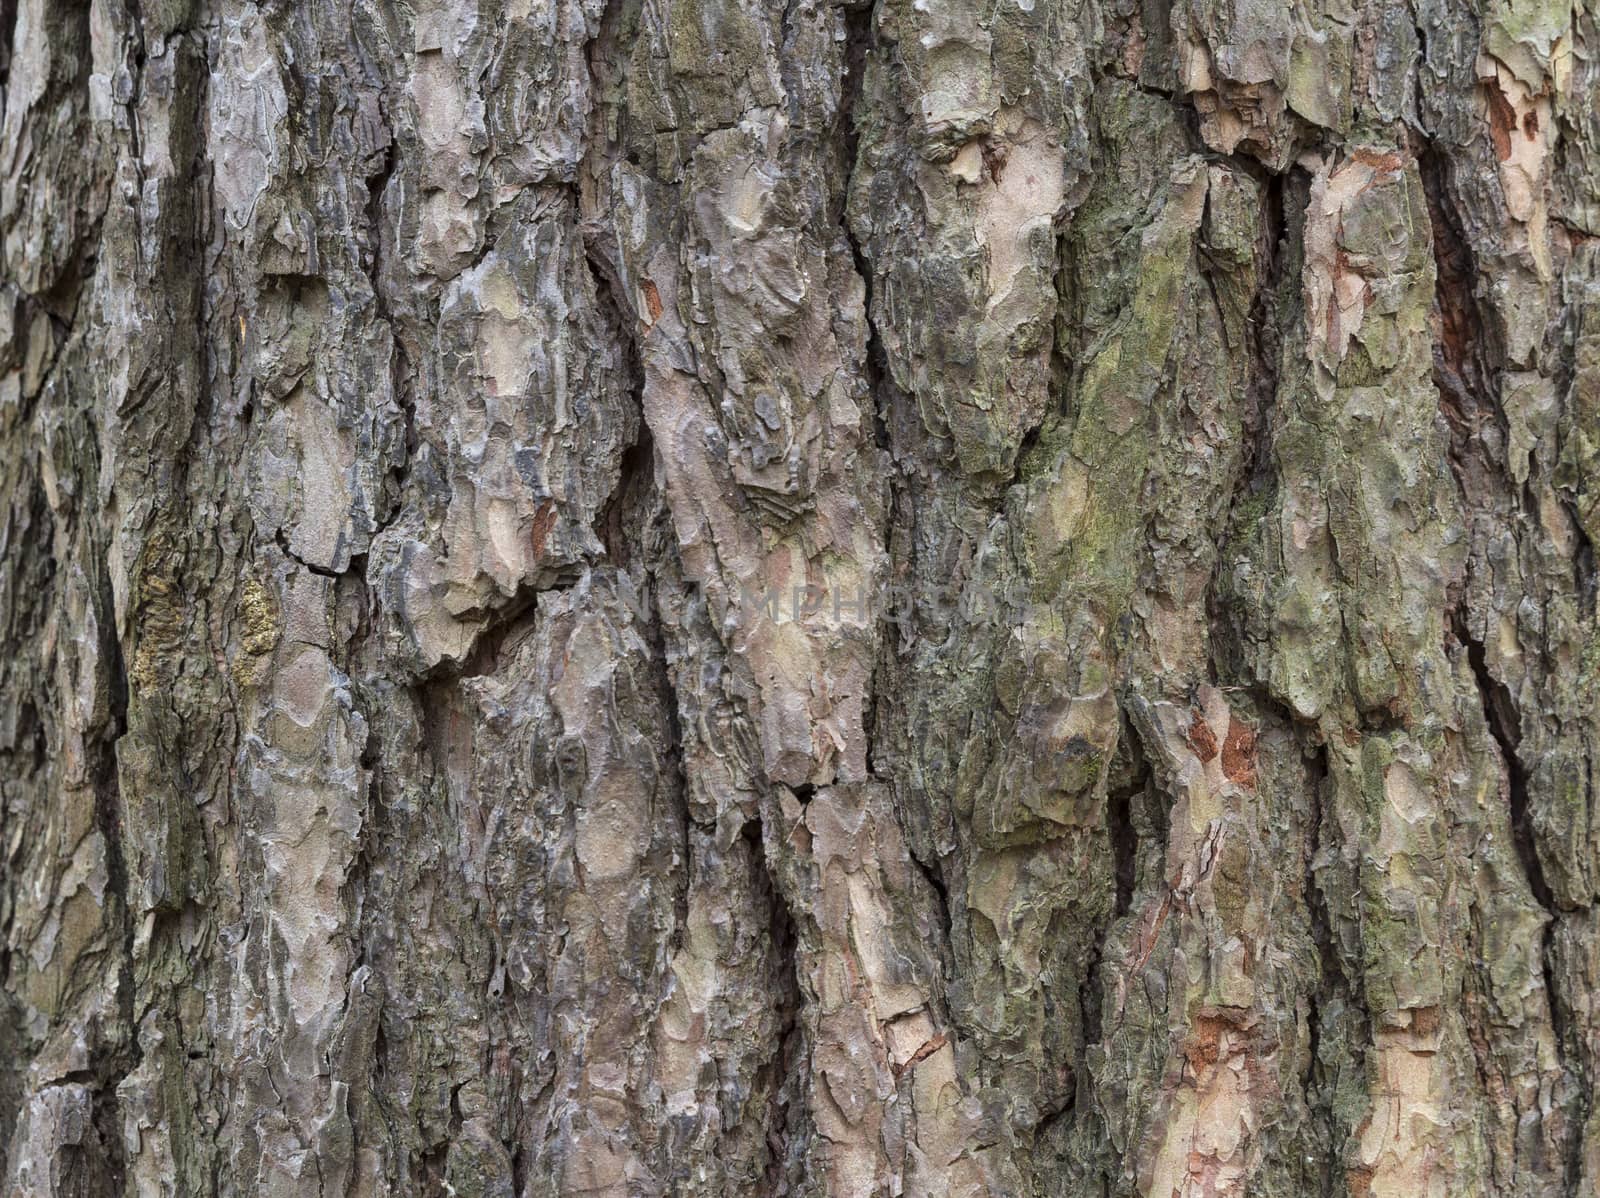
(519, 1170)
(124, 1054)
(1127, 788)
(185, 306)
(506, 624)
(635, 475)
(377, 183)
(282, 539)
(876, 379)
(1334, 994)
(24, 756)
(1124, 842)
(1132, 783)
(629, 501)
(359, 883)
(1566, 1027)
(1584, 578)
(1468, 360)
(655, 635)
(1263, 338)
(1282, 206)
(1091, 1002)
(1060, 381)
(400, 371)
(1500, 713)
(933, 874)
(436, 1157)
(1464, 345)
(858, 47)
(1277, 239)
(783, 1074)
(8, 29)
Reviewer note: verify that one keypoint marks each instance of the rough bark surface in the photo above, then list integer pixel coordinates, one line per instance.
(713, 597)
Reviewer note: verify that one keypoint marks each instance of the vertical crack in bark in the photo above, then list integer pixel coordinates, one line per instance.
(135, 11)
(933, 873)
(1585, 580)
(859, 44)
(8, 28)
(1124, 843)
(784, 1071)
(1462, 348)
(638, 458)
(1468, 361)
(197, 261)
(634, 476)
(1500, 714)
(1333, 1002)
(1499, 711)
(376, 184)
(108, 818)
(1123, 839)
(1333, 984)
(24, 754)
(1262, 339)
(1091, 1004)
(1256, 471)
(399, 361)
(1464, 380)
(1262, 346)
(657, 638)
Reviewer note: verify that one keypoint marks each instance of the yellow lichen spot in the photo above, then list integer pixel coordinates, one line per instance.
(259, 611)
(158, 622)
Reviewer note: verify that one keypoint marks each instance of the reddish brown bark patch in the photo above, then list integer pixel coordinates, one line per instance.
(652, 303)
(1239, 754)
(1425, 1021)
(1204, 1045)
(1201, 739)
(1502, 119)
(543, 521)
(1383, 160)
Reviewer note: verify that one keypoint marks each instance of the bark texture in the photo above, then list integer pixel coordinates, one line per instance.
(720, 597)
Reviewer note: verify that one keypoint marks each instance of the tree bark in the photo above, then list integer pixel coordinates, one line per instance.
(707, 597)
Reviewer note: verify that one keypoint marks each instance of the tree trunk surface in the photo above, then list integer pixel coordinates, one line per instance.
(713, 597)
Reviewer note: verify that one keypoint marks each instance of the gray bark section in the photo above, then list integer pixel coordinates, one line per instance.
(695, 597)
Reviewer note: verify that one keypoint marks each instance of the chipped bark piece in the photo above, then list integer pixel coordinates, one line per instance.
(652, 303)
(1201, 739)
(928, 1048)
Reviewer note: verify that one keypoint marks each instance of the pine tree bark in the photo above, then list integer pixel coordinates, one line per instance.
(703, 597)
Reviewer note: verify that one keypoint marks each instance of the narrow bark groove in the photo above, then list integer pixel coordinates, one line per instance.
(1500, 715)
